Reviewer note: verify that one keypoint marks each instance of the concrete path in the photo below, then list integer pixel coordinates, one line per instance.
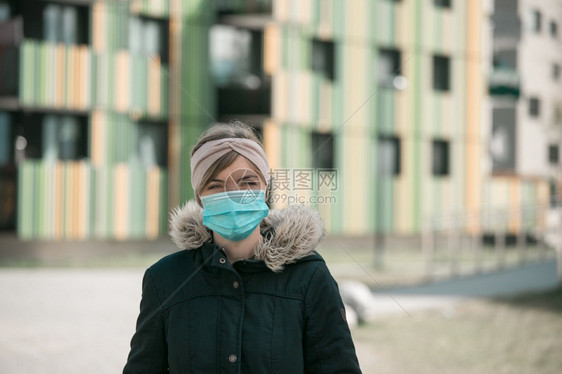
(81, 320)
(67, 321)
(532, 277)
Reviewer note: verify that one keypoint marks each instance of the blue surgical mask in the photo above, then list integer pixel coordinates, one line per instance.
(234, 215)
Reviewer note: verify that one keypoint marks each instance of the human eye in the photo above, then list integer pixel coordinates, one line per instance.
(248, 183)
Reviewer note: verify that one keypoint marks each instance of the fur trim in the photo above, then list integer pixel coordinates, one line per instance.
(287, 234)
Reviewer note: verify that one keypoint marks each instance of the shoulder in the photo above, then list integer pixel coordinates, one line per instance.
(172, 262)
(171, 269)
(309, 268)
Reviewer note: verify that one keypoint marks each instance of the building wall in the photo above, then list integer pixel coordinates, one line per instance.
(519, 195)
(356, 110)
(113, 193)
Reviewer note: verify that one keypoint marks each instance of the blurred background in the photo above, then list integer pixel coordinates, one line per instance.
(427, 133)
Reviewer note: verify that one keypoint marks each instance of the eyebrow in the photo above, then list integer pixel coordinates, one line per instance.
(251, 176)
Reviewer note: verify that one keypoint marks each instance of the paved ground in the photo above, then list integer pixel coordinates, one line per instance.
(81, 320)
(532, 277)
(66, 321)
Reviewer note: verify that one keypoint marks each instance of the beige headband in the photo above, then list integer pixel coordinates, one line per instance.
(211, 151)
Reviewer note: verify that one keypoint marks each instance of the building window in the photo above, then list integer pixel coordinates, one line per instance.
(442, 3)
(440, 158)
(441, 73)
(389, 159)
(6, 150)
(323, 58)
(536, 21)
(389, 67)
(64, 137)
(554, 199)
(66, 24)
(148, 37)
(152, 144)
(534, 107)
(503, 144)
(5, 11)
(237, 57)
(322, 148)
(557, 113)
(553, 29)
(555, 72)
(553, 154)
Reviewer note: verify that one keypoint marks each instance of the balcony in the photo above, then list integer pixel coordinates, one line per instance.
(224, 7)
(242, 87)
(504, 82)
(10, 36)
(507, 30)
(239, 100)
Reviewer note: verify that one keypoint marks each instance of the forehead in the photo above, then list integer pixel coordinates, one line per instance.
(240, 167)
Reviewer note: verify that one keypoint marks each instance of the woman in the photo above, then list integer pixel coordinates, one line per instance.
(248, 294)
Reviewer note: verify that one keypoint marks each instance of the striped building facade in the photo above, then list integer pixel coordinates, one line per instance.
(374, 111)
(118, 93)
(436, 109)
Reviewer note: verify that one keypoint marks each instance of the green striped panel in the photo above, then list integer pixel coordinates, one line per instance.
(163, 202)
(417, 108)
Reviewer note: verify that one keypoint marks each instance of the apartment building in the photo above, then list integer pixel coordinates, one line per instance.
(383, 114)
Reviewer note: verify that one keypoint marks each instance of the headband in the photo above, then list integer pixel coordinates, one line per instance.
(212, 150)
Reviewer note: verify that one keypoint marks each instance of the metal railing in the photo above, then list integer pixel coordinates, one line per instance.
(465, 244)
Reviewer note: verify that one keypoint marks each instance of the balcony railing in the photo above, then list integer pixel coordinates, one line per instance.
(504, 82)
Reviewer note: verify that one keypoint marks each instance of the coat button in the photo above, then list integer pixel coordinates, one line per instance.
(232, 358)
(235, 284)
(222, 260)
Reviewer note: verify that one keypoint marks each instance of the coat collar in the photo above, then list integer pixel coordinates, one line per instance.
(288, 234)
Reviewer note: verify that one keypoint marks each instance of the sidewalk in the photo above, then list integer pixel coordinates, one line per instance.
(81, 320)
(534, 277)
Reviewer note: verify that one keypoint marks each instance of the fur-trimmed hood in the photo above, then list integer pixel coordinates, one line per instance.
(287, 234)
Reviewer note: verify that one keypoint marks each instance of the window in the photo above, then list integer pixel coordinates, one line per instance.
(323, 58)
(440, 158)
(555, 72)
(441, 73)
(554, 199)
(442, 3)
(553, 154)
(553, 29)
(535, 21)
(152, 144)
(5, 139)
(322, 148)
(5, 11)
(389, 62)
(49, 137)
(9, 68)
(237, 57)
(64, 137)
(503, 145)
(65, 24)
(389, 155)
(534, 107)
(557, 113)
(148, 37)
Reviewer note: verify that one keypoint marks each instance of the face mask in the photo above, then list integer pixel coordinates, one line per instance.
(234, 215)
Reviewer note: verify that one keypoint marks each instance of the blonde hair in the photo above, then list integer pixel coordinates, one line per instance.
(235, 129)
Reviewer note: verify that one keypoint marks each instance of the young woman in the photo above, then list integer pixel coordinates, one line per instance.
(249, 293)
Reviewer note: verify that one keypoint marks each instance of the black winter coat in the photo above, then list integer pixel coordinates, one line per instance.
(280, 312)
